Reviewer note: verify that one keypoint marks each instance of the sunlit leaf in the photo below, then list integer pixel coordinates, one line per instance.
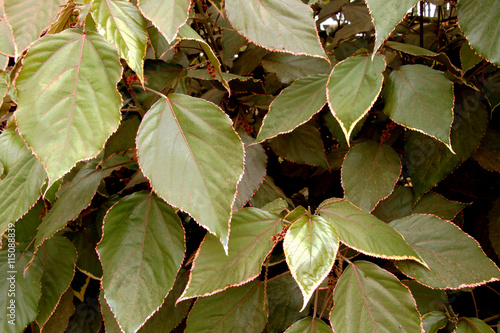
(290, 67)
(72, 199)
(12, 148)
(473, 325)
(6, 43)
(364, 232)
(223, 312)
(479, 22)
(309, 324)
(284, 25)
(27, 290)
(28, 18)
(66, 109)
(386, 15)
(369, 173)
(353, 87)
(167, 16)
(367, 298)
(139, 231)
(310, 246)
(194, 159)
(421, 98)
(454, 258)
(294, 106)
(58, 257)
(249, 244)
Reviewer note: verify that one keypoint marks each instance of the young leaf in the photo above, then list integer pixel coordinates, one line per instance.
(28, 18)
(20, 309)
(369, 173)
(249, 244)
(479, 22)
(353, 86)
(20, 189)
(434, 321)
(421, 98)
(130, 228)
(285, 26)
(310, 246)
(310, 325)
(68, 109)
(72, 199)
(442, 245)
(167, 16)
(294, 106)
(194, 159)
(122, 24)
(367, 298)
(364, 232)
(291, 67)
(386, 16)
(58, 257)
(223, 312)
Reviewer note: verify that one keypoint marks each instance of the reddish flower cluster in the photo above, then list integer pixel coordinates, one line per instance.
(245, 125)
(331, 282)
(386, 133)
(212, 71)
(279, 236)
(132, 79)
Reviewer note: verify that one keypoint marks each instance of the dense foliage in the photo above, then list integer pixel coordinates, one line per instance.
(249, 166)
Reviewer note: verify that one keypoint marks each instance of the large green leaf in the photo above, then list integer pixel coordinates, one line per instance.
(249, 244)
(369, 173)
(122, 24)
(139, 232)
(237, 309)
(290, 67)
(369, 299)
(386, 15)
(20, 189)
(194, 159)
(455, 259)
(294, 106)
(7, 46)
(364, 232)
(68, 109)
(309, 324)
(421, 98)
(167, 16)
(20, 290)
(64, 310)
(28, 18)
(12, 148)
(310, 246)
(479, 22)
(353, 87)
(58, 257)
(278, 25)
(72, 199)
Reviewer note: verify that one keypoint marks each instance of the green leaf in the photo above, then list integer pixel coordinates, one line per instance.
(411, 49)
(167, 16)
(353, 86)
(58, 257)
(123, 139)
(192, 141)
(24, 302)
(294, 106)
(122, 24)
(135, 221)
(367, 298)
(436, 204)
(479, 22)
(224, 311)
(72, 199)
(85, 241)
(290, 67)
(369, 173)
(64, 310)
(364, 232)
(434, 321)
(309, 324)
(304, 145)
(26, 226)
(421, 98)
(310, 246)
(267, 193)
(386, 16)
(28, 18)
(249, 244)
(7, 46)
(427, 299)
(491, 89)
(488, 154)
(12, 148)
(20, 189)
(287, 26)
(4, 86)
(473, 325)
(67, 110)
(454, 258)
(468, 57)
